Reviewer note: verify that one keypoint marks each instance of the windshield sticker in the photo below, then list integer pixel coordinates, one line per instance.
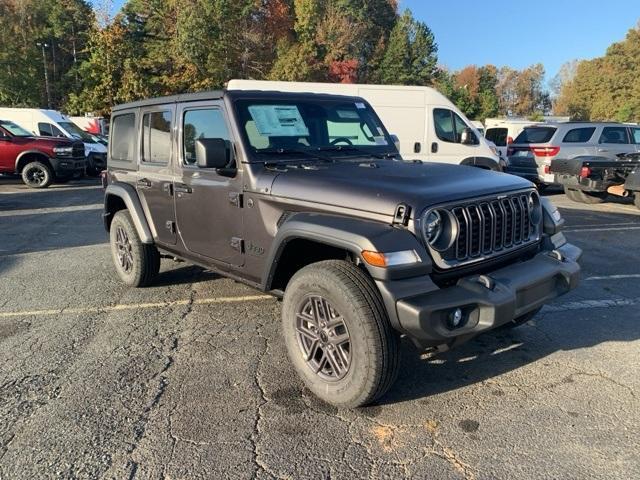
(380, 141)
(361, 105)
(278, 121)
(348, 114)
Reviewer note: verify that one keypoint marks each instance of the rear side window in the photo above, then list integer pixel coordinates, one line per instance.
(156, 137)
(122, 138)
(635, 132)
(535, 135)
(497, 136)
(205, 123)
(614, 135)
(579, 135)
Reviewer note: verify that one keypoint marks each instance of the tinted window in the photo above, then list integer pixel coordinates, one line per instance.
(123, 137)
(535, 135)
(614, 135)
(443, 122)
(206, 123)
(498, 136)
(45, 129)
(579, 135)
(636, 135)
(156, 137)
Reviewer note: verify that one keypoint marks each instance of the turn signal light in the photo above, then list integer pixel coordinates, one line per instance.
(585, 172)
(390, 259)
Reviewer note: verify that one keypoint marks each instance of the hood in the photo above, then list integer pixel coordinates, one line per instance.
(54, 141)
(379, 186)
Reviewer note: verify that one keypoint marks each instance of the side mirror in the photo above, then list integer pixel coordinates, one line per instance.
(396, 140)
(213, 152)
(468, 137)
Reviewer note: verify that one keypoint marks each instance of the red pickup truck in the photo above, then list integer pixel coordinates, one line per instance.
(39, 160)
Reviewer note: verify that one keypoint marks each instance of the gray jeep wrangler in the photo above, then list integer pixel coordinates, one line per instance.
(305, 196)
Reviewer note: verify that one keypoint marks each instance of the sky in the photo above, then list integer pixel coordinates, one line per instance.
(519, 33)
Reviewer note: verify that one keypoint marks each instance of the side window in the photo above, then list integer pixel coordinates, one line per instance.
(497, 136)
(635, 132)
(579, 135)
(443, 122)
(156, 137)
(614, 135)
(122, 137)
(56, 132)
(203, 123)
(45, 129)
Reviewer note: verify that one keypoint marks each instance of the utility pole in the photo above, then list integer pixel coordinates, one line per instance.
(44, 45)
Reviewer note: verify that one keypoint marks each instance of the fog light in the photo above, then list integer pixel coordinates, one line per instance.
(455, 318)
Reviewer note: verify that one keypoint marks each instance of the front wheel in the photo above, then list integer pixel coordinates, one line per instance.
(37, 175)
(137, 263)
(338, 335)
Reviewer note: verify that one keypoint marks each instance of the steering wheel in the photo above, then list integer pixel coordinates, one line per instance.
(335, 141)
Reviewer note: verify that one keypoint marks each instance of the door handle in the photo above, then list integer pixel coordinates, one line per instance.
(434, 147)
(182, 188)
(144, 183)
(603, 150)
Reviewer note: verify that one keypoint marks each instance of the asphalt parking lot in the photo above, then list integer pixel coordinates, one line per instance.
(189, 379)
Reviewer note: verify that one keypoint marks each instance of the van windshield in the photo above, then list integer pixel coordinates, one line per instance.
(76, 132)
(272, 126)
(535, 135)
(14, 129)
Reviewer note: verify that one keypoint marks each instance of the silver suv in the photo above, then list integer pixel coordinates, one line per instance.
(536, 146)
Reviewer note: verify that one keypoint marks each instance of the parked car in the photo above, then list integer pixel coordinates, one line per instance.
(532, 152)
(98, 126)
(306, 197)
(588, 179)
(428, 125)
(51, 123)
(40, 161)
(502, 132)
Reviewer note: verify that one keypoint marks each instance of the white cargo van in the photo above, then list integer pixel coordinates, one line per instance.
(427, 124)
(51, 123)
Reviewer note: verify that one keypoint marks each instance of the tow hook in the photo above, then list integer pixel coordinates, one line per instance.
(557, 255)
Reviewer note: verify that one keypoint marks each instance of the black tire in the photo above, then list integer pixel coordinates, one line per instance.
(522, 319)
(37, 175)
(368, 359)
(137, 263)
(584, 197)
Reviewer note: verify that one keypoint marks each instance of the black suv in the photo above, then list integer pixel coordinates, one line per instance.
(306, 197)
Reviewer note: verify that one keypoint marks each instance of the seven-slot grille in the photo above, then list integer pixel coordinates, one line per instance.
(78, 150)
(490, 227)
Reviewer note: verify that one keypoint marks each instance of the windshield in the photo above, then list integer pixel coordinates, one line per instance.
(76, 132)
(312, 125)
(15, 129)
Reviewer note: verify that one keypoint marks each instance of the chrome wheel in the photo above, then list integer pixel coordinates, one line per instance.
(36, 176)
(123, 250)
(323, 338)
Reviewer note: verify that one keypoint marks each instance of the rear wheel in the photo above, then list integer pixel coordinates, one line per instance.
(584, 197)
(137, 263)
(37, 175)
(338, 335)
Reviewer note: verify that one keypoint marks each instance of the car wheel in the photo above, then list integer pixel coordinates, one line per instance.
(522, 319)
(337, 334)
(137, 263)
(37, 175)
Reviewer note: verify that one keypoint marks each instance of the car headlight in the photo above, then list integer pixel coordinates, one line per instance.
(63, 150)
(439, 229)
(535, 208)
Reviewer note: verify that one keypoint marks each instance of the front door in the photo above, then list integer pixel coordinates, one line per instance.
(155, 178)
(208, 204)
(446, 138)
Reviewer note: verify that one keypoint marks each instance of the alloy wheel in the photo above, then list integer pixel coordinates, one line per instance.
(124, 250)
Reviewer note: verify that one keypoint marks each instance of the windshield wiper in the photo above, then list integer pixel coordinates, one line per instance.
(352, 148)
(294, 151)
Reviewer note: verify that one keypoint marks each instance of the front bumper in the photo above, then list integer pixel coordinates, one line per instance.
(97, 161)
(490, 300)
(68, 167)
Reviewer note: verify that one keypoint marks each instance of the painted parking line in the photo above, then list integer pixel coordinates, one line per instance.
(598, 229)
(40, 211)
(136, 306)
(613, 277)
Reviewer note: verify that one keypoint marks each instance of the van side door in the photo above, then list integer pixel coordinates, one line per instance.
(446, 145)
(208, 202)
(154, 182)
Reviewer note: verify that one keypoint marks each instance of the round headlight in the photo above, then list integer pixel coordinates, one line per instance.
(439, 229)
(535, 209)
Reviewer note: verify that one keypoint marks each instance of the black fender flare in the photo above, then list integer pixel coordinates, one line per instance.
(130, 198)
(353, 235)
(29, 152)
(482, 162)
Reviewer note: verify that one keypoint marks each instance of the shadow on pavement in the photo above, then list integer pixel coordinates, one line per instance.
(183, 275)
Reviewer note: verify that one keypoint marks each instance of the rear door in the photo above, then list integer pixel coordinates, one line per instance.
(155, 178)
(498, 135)
(208, 204)
(614, 140)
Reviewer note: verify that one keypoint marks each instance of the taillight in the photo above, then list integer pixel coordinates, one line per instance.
(585, 172)
(545, 151)
(547, 169)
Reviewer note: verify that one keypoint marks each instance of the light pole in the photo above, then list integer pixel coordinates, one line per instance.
(44, 45)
